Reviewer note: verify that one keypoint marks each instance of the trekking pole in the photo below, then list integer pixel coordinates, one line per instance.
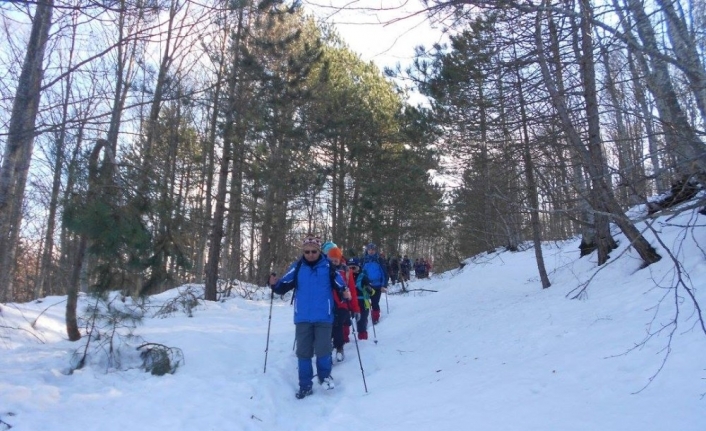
(269, 323)
(387, 304)
(360, 361)
(375, 336)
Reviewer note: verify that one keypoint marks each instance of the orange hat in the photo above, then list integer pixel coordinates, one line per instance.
(335, 253)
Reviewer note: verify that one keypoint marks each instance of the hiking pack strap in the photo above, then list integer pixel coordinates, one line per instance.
(331, 273)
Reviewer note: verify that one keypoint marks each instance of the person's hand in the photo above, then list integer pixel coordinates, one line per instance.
(273, 280)
(347, 295)
(384, 289)
(356, 316)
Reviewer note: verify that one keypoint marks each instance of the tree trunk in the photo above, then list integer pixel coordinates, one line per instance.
(77, 265)
(216, 236)
(627, 165)
(598, 167)
(603, 192)
(660, 182)
(532, 189)
(680, 137)
(46, 275)
(19, 145)
(687, 54)
(589, 234)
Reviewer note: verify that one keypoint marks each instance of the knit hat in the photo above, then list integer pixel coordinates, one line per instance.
(353, 262)
(312, 240)
(335, 253)
(371, 246)
(328, 245)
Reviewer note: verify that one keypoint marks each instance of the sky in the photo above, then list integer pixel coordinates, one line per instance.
(383, 31)
(483, 347)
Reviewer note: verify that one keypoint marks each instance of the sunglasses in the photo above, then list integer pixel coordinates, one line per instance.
(311, 251)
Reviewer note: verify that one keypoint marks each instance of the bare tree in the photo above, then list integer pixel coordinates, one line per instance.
(20, 143)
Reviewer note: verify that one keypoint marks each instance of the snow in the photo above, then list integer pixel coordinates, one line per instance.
(490, 350)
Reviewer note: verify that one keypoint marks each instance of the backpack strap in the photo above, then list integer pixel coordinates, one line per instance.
(296, 276)
(331, 273)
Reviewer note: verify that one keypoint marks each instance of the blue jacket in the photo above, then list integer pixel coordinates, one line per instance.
(375, 270)
(313, 297)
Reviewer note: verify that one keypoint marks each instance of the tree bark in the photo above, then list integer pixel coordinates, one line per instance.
(687, 53)
(603, 192)
(598, 167)
(217, 228)
(532, 189)
(20, 144)
(680, 137)
(46, 275)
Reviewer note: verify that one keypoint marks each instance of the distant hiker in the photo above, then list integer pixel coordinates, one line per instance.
(344, 309)
(363, 291)
(417, 268)
(313, 279)
(394, 269)
(405, 268)
(386, 265)
(374, 269)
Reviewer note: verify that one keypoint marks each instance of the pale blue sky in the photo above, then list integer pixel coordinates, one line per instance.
(383, 31)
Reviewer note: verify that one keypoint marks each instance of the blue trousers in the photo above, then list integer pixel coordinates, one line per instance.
(313, 337)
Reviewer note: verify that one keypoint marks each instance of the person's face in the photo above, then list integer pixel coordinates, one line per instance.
(334, 260)
(355, 268)
(310, 254)
(371, 251)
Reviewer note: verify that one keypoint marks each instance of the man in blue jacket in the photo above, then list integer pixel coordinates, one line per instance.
(313, 279)
(374, 269)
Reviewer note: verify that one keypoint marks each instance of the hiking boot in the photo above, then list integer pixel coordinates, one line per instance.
(376, 316)
(339, 355)
(362, 335)
(327, 383)
(304, 392)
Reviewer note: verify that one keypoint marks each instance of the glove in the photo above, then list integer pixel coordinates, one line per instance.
(356, 316)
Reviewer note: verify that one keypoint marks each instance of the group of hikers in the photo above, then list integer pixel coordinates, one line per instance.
(399, 268)
(331, 294)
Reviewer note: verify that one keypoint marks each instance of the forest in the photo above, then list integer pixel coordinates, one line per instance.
(151, 143)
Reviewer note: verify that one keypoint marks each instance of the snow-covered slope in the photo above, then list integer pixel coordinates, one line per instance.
(490, 350)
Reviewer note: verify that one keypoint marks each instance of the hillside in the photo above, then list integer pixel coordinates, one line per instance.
(490, 350)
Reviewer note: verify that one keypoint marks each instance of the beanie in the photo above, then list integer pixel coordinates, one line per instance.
(335, 253)
(312, 240)
(328, 245)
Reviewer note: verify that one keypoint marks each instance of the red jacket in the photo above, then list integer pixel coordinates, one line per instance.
(349, 279)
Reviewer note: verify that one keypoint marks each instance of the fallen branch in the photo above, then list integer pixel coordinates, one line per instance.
(402, 292)
(34, 323)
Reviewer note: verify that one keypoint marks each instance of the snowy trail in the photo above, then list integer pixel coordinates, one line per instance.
(490, 351)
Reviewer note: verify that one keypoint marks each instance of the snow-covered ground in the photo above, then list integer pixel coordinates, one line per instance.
(490, 350)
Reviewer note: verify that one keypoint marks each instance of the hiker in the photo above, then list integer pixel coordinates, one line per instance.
(313, 279)
(374, 269)
(405, 267)
(394, 269)
(328, 245)
(363, 291)
(344, 309)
